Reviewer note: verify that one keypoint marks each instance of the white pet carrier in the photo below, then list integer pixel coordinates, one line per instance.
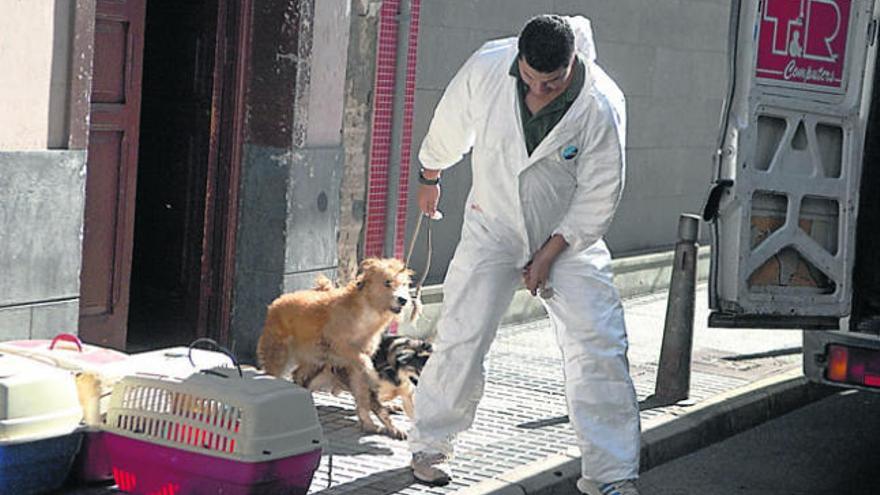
(37, 400)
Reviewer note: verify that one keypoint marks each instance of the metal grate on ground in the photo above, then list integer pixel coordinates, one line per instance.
(520, 420)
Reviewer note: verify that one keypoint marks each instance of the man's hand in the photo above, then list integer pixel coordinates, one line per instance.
(429, 196)
(537, 270)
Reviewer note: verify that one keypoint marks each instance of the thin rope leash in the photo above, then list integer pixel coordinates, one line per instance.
(412, 245)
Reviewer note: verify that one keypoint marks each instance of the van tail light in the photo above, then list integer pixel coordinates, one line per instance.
(854, 365)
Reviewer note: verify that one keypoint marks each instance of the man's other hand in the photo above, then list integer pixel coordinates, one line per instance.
(537, 270)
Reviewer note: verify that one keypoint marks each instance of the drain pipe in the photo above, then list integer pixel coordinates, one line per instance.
(380, 130)
(410, 16)
(396, 159)
(394, 92)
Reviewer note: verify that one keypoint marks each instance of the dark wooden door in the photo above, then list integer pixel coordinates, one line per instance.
(111, 171)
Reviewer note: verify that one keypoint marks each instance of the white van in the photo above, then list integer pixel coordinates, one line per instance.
(795, 206)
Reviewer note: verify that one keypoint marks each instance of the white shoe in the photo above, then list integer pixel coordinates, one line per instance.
(431, 468)
(622, 487)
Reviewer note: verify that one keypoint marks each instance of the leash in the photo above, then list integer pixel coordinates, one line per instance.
(417, 296)
(546, 292)
(412, 245)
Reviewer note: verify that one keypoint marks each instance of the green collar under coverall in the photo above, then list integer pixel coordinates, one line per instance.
(537, 126)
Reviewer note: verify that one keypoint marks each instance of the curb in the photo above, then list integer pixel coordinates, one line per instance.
(634, 276)
(706, 423)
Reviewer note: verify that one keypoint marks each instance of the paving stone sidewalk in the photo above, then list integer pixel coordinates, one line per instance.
(521, 419)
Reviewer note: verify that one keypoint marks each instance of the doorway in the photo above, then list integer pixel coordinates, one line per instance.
(172, 260)
(164, 154)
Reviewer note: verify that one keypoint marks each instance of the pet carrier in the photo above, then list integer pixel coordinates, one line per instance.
(108, 366)
(93, 462)
(39, 417)
(67, 352)
(222, 430)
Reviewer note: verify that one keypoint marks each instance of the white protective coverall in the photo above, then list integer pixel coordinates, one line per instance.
(570, 185)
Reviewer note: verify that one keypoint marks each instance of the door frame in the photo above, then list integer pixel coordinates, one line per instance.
(81, 62)
(231, 63)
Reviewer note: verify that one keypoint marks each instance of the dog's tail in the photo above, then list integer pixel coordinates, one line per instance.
(323, 283)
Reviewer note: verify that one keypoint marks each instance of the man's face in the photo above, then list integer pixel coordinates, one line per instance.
(545, 83)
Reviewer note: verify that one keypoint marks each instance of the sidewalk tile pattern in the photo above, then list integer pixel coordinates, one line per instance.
(521, 419)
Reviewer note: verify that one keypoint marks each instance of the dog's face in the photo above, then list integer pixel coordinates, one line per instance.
(386, 283)
(404, 359)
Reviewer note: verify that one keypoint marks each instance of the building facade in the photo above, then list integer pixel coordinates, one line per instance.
(168, 168)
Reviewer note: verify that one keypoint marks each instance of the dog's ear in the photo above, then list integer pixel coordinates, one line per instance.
(365, 265)
(368, 264)
(322, 283)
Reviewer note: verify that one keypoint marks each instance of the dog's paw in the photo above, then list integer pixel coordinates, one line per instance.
(391, 431)
(395, 433)
(371, 428)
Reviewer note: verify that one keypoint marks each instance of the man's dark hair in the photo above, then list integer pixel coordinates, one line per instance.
(546, 43)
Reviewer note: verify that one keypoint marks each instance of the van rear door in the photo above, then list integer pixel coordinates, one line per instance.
(783, 205)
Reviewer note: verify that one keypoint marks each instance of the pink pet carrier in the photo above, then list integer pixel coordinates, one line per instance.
(221, 430)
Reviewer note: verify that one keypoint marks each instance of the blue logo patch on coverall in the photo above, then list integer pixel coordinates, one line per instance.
(569, 152)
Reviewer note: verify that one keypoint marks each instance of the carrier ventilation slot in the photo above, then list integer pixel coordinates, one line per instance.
(187, 419)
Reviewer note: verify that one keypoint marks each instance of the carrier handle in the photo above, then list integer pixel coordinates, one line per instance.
(67, 337)
(216, 346)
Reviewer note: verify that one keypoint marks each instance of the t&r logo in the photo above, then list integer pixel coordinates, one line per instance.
(803, 42)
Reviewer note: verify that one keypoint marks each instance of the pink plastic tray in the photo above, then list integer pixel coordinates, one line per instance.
(145, 468)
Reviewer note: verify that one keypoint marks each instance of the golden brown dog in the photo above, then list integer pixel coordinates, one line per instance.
(310, 330)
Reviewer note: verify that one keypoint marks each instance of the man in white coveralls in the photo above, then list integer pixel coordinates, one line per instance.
(546, 129)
